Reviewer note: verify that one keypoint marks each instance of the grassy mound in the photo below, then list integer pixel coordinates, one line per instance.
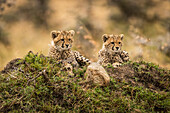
(39, 84)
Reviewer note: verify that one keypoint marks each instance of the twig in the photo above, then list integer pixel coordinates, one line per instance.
(11, 75)
(39, 74)
(28, 66)
(45, 75)
(12, 103)
(85, 82)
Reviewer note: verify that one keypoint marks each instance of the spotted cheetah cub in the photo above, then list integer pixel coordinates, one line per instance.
(111, 51)
(60, 49)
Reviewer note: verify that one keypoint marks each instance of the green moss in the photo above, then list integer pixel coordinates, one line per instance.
(39, 85)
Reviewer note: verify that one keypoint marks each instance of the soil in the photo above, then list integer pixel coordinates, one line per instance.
(143, 76)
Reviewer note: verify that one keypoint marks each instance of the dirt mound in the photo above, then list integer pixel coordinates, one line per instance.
(38, 84)
(142, 74)
(11, 65)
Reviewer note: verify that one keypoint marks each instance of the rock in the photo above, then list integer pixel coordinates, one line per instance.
(97, 74)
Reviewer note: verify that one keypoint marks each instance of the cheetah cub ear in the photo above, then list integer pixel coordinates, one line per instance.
(72, 32)
(55, 34)
(105, 37)
(121, 36)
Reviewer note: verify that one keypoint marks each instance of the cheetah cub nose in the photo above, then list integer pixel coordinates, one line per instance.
(67, 45)
(117, 48)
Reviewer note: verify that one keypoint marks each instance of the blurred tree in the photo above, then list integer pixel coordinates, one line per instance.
(36, 11)
(140, 8)
(4, 37)
(3, 5)
(87, 20)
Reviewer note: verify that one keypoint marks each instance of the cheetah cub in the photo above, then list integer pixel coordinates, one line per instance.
(60, 49)
(111, 51)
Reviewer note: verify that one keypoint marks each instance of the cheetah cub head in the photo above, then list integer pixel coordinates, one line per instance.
(62, 39)
(112, 43)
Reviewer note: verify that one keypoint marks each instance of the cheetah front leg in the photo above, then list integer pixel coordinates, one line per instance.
(125, 56)
(81, 59)
(116, 60)
(69, 69)
(103, 61)
(116, 64)
(73, 62)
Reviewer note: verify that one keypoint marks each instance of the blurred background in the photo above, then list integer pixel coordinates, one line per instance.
(26, 25)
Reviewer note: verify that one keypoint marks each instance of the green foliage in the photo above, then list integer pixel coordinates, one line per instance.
(39, 85)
